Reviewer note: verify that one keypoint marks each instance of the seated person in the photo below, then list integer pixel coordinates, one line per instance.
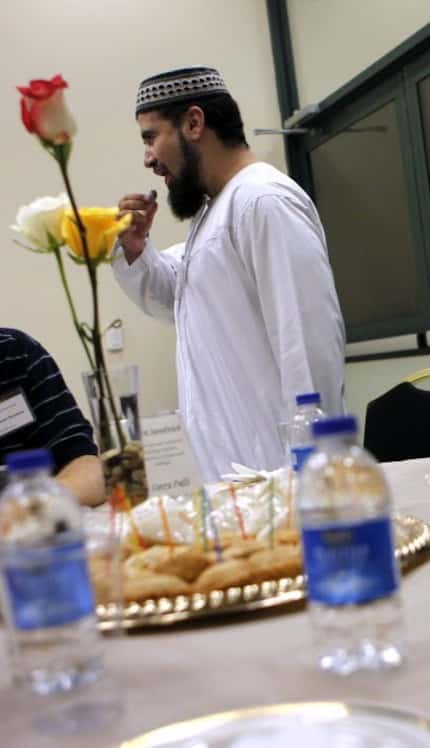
(47, 417)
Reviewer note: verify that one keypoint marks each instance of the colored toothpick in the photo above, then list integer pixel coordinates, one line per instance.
(165, 524)
(200, 520)
(207, 502)
(122, 502)
(238, 513)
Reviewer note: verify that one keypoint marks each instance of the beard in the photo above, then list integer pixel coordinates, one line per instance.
(186, 191)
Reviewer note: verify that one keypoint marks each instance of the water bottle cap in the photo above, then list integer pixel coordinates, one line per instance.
(32, 459)
(332, 426)
(308, 397)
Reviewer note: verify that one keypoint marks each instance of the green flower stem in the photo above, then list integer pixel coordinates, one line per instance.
(101, 374)
(76, 322)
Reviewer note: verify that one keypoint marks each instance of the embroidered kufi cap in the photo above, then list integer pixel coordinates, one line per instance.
(176, 86)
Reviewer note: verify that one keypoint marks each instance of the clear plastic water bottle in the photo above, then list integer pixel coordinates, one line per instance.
(345, 511)
(308, 410)
(47, 597)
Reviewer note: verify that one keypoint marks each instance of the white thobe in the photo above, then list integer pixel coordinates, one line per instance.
(257, 317)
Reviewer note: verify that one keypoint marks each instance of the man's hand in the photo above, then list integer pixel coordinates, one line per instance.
(142, 209)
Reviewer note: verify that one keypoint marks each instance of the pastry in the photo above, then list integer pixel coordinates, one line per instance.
(219, 576)
(287, 536)
(240, 548)
(281, 561)
(149, 559)
(150, 585)
(187, 564)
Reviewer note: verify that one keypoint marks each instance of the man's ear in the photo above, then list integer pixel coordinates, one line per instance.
(193, 124)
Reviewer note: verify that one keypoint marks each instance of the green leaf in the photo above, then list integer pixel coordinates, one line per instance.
(67, 149)
(61, 152)
(86, 331)
(76, 259)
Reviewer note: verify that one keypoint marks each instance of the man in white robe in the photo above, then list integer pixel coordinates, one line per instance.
(251, 291)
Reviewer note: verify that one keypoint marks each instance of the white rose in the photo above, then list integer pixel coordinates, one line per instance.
(43, 215)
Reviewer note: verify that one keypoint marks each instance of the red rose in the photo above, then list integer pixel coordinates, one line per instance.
(44, 112)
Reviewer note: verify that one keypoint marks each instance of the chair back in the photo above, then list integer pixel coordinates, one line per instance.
(397, 424)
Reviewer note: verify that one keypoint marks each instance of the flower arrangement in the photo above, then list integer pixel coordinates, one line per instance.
(51, 224)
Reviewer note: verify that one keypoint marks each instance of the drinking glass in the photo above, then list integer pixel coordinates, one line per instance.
(103, 542)
(125, 381)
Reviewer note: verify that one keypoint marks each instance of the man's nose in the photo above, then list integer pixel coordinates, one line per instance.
(148, 159)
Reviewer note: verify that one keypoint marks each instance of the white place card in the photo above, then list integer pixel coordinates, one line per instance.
(170, 464)
(14, 412)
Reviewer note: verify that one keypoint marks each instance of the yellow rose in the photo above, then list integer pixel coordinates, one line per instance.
(102, 229)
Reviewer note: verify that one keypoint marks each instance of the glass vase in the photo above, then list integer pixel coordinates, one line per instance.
(114, 409)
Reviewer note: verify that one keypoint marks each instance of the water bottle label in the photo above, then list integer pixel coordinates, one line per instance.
(299, 455)
(48, 586)
(350, 564)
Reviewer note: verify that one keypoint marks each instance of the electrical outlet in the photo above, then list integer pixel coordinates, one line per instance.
(114, 338)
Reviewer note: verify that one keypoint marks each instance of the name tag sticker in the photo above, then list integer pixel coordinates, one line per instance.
(170, 464)
(15, 412)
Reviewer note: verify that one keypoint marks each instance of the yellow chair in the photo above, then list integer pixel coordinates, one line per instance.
(417, 376)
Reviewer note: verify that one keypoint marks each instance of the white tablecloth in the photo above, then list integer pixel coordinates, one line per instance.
(176, 674)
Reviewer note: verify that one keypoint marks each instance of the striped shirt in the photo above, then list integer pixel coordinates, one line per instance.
(58, 422)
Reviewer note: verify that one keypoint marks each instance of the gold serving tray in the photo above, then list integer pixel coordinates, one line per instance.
(413, 544)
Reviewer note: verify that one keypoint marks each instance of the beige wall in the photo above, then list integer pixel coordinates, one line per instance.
(104, 48)
(334, 40)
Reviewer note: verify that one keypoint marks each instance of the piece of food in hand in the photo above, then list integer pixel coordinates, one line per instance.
(232, 573)
(275, 563)
(154, 586)
(185, 563)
